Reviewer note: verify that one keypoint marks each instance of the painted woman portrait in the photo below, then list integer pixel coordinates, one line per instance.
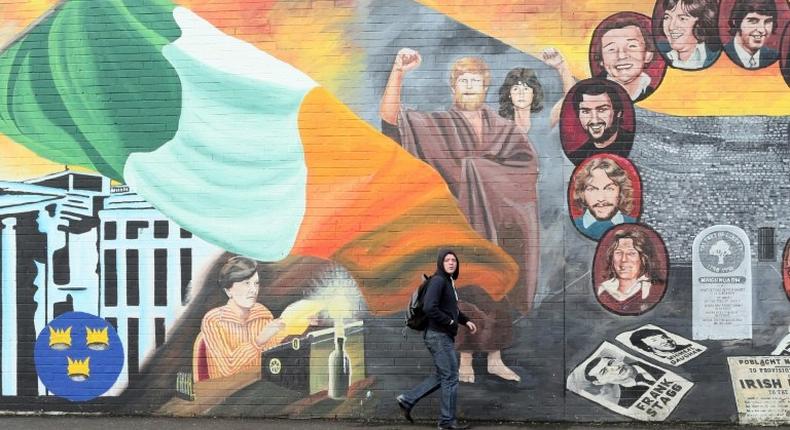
(521, 94)
(235, 340)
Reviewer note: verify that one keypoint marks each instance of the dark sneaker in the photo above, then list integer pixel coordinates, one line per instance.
(404, 408)
(453, 426)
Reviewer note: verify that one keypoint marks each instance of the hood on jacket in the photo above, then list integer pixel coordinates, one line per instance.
(440, 264)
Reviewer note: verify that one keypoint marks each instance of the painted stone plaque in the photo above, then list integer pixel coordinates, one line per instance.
(722, 284)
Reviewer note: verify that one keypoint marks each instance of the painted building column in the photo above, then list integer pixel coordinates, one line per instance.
(146, 339)
(174, 298)
(56, 239)
(9, 356)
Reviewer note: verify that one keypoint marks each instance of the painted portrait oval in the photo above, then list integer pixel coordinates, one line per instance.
(785, 61)
(605, 190)
(686, 33)
(597, 116)
(786, 269)
(630, 269)
(751, 30)
(622, 50)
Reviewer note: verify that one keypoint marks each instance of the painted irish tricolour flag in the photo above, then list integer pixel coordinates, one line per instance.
(238, 147)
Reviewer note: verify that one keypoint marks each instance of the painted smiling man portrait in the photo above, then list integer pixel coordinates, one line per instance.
(752, 23)
(689, 28)
(623, 49)
(599, 108)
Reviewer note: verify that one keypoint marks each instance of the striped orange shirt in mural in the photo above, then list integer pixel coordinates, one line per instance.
(230, 341)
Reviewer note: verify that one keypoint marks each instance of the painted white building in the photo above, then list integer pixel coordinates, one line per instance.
(71, 242)
(146, 263)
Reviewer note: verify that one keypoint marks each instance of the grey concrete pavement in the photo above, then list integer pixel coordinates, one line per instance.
(147, 423)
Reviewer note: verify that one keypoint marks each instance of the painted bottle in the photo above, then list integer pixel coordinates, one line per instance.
(339, 370)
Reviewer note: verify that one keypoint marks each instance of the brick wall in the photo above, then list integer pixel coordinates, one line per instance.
(201, 202)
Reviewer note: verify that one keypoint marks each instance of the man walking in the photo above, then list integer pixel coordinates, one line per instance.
(440, 304)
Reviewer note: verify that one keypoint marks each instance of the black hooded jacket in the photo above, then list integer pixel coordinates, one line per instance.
(440, 302)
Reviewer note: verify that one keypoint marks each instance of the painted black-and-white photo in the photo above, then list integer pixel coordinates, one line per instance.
(783, 348)
(627, 385)
(661, 345)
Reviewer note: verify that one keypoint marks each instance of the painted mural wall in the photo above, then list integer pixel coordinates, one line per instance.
(223, 208)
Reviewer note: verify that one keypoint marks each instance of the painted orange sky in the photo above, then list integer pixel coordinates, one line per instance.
(311, 38)
(531, 25)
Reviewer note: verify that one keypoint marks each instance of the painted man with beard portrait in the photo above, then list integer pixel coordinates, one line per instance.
(492, 169)
(599, 108)
(604, 191)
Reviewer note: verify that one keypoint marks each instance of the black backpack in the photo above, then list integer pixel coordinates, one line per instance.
(415, 317)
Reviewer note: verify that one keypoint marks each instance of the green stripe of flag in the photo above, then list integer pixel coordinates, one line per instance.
(89, 85)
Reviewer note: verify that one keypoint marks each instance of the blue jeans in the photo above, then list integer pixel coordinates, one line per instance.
(442, 348)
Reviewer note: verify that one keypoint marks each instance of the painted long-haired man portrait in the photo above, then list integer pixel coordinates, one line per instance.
(605, 192)
(689, 30)
(632, 282)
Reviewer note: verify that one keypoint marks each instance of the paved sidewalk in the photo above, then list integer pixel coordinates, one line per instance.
(140, 423)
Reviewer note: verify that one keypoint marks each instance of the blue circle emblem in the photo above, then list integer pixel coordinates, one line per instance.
(78, 356)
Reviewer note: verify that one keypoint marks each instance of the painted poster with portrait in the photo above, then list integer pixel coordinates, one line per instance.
(630, 269)
(597, 116)
(786, 269)
(628, 385)
(750, 31)
(661, 345)
(783, 348)
(686, 32)
(622, 50)
(605, 190)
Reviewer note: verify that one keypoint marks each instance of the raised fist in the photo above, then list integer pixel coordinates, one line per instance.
(407, 60)
(552, 57)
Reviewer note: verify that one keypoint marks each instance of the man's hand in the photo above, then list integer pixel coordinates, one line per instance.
(471, 326)
(552, 57)
(407, 60)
